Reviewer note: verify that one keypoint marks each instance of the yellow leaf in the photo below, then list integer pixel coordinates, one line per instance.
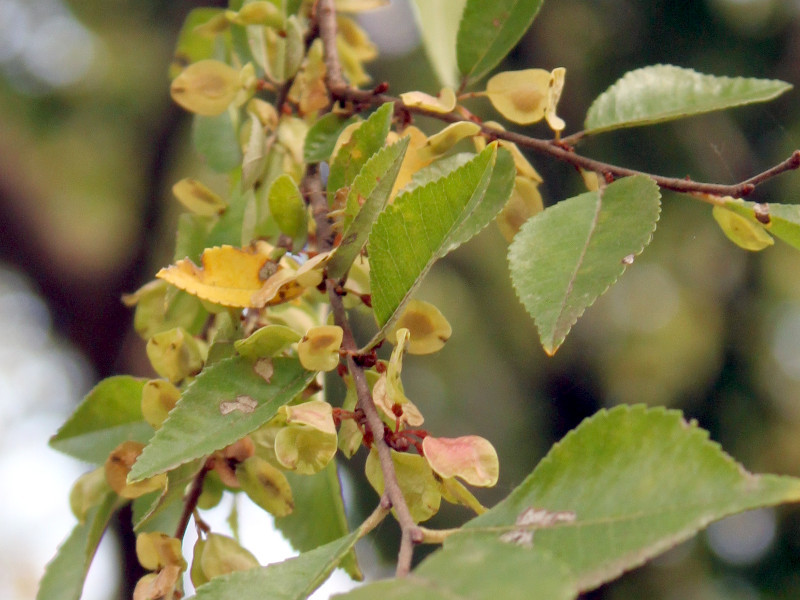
(520, 96)
(229, 276)
(198, 198)
(743, 232)
(415, 158)
(445, 102)
(355, 6)
(553, 96)
(448, 137)
(525, 202)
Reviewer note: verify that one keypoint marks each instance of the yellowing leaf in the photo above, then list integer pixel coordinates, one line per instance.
(448, 137)
(355, 37)
(553, 96)
(472, 458)
(229, 276)
(743, 232)
(206, 87)
(356, 6)
(388, 392)
(415, 158)
(256, 13)
(445, 102)
(520, 96)
(525, 202)
(198, 198)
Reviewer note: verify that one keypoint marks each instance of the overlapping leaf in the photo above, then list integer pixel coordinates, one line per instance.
(489, 30)
(781, 220)
(64, 575)
(565, 257)
(110, 414)
(200, 410)
(438, 26)
(367, 198)
(366, 141)
(623, 487)
(292, 579)
(318, 516)
(664, 92)
(430, 221)
(321, 137)
(215, 140)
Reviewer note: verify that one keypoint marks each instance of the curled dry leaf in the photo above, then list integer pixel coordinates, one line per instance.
(471, 458)
(444, 102)
(438, 144)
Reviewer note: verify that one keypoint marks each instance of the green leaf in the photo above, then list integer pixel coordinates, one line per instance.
(321, 137)
(64, 575)
(663, 93)
(201, 409)
(111, 413)
(287, 207)
(626, 485)
(639, 481)
(425, 224)
(366, 141)
(216, 141)
(438, 25)
(372, 187)
(318, 516)
(488, 31)
(228, 230)
(292, 579)
(566, 256)
(193, 46)
(477, 568)
(190, 240)
(781, 220)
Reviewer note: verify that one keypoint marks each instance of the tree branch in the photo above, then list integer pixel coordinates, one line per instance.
(349, 95)
(392, 495)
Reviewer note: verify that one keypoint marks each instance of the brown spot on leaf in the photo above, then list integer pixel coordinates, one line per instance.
(242, 403)
(264, 368)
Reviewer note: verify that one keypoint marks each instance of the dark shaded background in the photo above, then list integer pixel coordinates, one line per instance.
(696, 323)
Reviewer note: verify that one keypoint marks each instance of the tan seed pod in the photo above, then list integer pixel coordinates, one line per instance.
(119, 464)
(206, 87)
(428, 327)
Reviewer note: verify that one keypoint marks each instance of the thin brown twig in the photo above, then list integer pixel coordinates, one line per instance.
(341, 91)
(392, 495)
(190, 502)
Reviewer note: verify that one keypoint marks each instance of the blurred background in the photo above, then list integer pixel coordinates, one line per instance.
(90, 145)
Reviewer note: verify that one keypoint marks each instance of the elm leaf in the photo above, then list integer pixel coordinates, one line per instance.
(200, 409)
(490, 30)
(563, 258)
(664, 92)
